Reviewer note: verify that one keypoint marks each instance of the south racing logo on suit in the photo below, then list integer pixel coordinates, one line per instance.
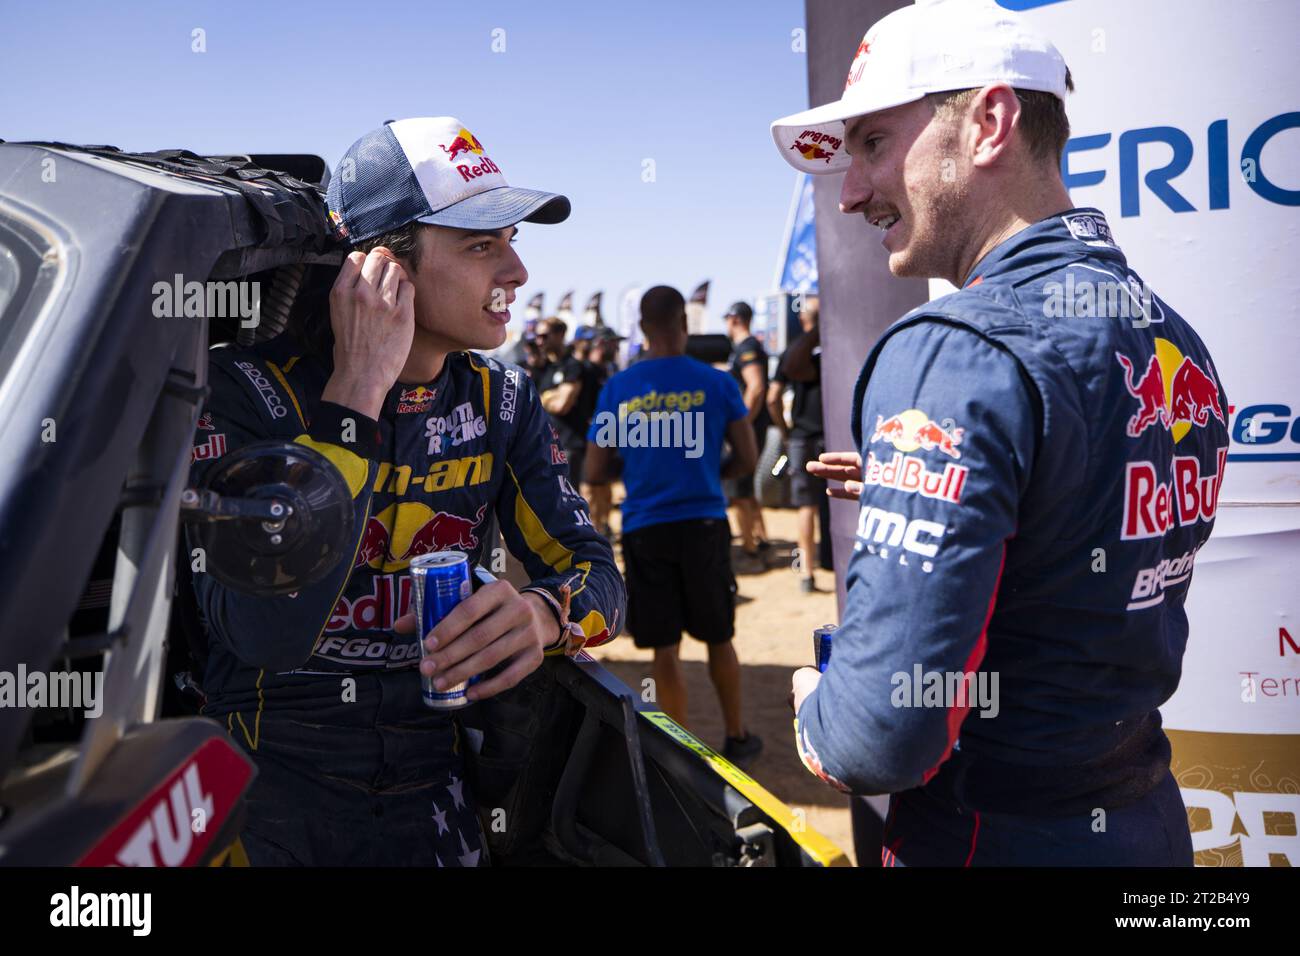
(1176, 395)
(448, 431)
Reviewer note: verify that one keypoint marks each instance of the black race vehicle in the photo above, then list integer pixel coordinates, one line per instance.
(103, 370)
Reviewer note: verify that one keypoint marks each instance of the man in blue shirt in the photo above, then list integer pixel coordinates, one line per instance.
(668, 415)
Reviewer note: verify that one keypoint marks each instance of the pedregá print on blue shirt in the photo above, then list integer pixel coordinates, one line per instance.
(668, 417)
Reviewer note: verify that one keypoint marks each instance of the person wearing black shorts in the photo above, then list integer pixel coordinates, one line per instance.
(749, 369)
(682, 571)
(676, 540)
(801, 367)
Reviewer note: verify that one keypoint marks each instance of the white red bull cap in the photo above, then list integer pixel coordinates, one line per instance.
(430, 169)
(931, 47)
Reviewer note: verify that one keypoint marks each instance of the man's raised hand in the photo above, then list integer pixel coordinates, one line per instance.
(845, 466)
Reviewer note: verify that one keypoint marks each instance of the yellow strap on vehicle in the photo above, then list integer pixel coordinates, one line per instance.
(817, 846)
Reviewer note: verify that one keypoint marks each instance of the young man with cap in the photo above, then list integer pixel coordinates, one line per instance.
(676, 543)
(321, 687)
(749, 369)
(1030, 484)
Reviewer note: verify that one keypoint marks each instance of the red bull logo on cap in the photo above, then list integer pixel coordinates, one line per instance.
(813, 144)
(859, 62)
(913, 429)
(810, 151)
(1173, 392)
(408, 529)
(340, 229)
(464, 143)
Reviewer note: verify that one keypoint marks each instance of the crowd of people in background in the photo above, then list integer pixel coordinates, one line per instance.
(570, 373)
(675, 535)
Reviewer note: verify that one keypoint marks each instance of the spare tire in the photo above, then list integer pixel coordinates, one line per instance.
(772, 492)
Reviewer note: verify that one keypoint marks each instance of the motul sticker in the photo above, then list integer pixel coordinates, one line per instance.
(176, 823)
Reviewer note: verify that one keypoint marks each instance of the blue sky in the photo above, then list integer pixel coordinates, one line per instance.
(582, 95)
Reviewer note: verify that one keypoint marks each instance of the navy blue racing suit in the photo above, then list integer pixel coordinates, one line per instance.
(353, 768)
(1042, 455)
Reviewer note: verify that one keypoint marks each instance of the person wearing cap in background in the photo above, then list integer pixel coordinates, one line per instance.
(604, 354)
(676, 541)
(321, 687)
(568, 394)
(581, 345)
(534, 356)
(601, 364)
(749, 369)
(1010, 629)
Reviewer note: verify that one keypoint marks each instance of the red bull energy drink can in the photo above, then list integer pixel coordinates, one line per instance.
(822, 637)
(439, 581)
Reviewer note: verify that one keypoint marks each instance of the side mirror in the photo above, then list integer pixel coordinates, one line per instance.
(272, 518)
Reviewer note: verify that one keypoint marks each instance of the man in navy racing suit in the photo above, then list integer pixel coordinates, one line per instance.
(321, 687)
(1040, 456)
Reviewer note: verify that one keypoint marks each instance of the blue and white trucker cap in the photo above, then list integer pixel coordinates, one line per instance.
(430, 169)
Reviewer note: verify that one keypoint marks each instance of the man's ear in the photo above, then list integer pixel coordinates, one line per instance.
(995, 112)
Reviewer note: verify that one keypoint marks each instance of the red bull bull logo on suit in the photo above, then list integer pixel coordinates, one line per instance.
(416, 399)
(1172, 392)
(390, 540)
(914, 429)
(408, 529)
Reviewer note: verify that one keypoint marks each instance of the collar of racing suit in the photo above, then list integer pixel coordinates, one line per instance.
(1080, 231)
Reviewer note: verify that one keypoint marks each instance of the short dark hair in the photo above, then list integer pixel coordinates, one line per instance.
(661, 307)
(403, 242)
(1043, 122)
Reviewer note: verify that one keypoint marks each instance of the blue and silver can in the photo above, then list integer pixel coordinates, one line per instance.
(439, 581)
(822, 637)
